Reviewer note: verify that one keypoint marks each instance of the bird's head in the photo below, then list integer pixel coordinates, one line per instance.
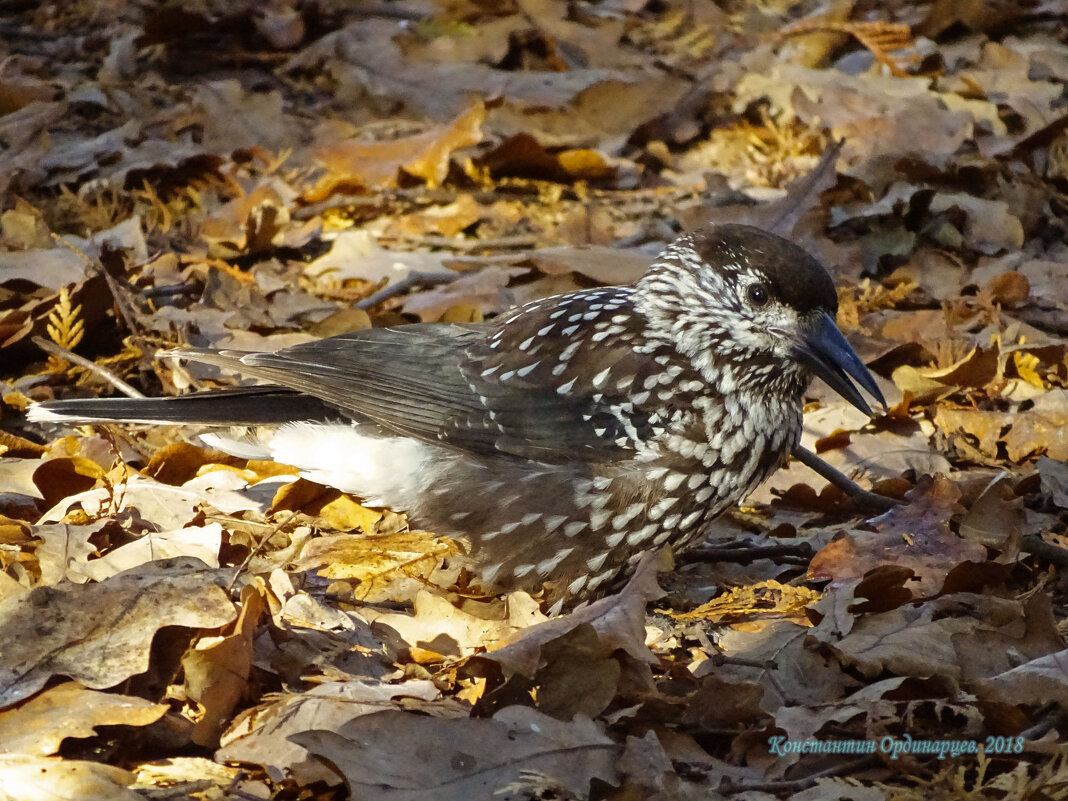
(753, 308)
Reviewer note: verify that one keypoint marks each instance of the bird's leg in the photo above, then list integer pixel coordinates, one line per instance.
(868, 500)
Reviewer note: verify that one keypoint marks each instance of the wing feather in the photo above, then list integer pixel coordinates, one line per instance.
(497, 388)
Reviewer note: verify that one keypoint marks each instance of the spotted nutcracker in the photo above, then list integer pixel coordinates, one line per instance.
(562, 440)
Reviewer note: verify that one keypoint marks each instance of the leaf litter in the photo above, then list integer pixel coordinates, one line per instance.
(175, 622)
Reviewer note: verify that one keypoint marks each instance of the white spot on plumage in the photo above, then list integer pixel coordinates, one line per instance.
(547, 566)
(600, 578)
(637, 537)
(597, 562)
(672, 482)
(599, 517)
(569, 351)
(574, 528)
(554, 522)
(656, 511)
(690, 519)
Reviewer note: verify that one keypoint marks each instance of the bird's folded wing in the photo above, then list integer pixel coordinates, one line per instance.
(407, 379)
(429, 382)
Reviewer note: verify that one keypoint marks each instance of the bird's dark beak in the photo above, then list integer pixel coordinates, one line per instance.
(827, 355)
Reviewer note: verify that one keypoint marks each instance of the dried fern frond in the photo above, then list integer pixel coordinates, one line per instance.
(65, 325)
(877, 37)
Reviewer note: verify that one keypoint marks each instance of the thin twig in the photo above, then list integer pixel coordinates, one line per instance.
(790, 554)
(869, 500)
(1038, 547)
(730, 787)
(1052, 716)
(93, 367)
(516, 242)
(410, 281)
(256, 552)
(798, 198)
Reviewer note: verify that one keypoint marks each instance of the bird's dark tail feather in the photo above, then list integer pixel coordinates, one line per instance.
(243, 406)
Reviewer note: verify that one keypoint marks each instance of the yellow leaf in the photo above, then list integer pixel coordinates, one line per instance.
(344, 514)
(763, 600)
(1027, 368)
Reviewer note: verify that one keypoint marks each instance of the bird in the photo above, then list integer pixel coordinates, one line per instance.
(564, 439)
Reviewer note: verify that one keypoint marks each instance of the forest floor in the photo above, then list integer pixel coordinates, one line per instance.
(176, 623)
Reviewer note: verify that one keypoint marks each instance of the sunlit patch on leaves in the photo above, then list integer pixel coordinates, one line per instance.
(674, 35)
(769, 154)
(878, 37)
(375, 561)
(869, 296)
(1027, 367)
(745, 607)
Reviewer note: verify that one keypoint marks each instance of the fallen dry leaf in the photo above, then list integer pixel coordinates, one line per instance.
(24, 776)
(461, 758)
(100, 634)
(39, 726)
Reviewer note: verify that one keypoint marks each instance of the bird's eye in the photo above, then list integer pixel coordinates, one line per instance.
(758, 295)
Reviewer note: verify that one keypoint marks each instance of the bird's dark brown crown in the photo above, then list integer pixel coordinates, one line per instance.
(792, 275)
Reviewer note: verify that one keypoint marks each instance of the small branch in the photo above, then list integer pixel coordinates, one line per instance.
(783, 554)
(1051, 718)
(267, 536)
(103, 372)
(729, 786)
(517, 242)
(1036, 546)
(868, 500)
(798, 199)
(410, 281)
